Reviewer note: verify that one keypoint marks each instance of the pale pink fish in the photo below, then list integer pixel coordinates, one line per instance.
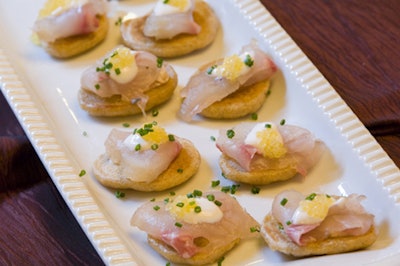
(143, 165)
(78, 20)
(160, 224)
(347, 218)
(150, 74)
(303, 149)
(204, 89)
(167, 26)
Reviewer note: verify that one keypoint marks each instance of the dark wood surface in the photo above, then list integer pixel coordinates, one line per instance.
(354, 43)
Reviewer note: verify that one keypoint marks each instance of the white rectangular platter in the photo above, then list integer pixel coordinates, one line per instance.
(43, 94)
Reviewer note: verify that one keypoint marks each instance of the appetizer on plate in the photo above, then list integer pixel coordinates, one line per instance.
(195, 229)
(260, 153)
(173, 28)
(66, 28)
(317, 224)
(147, 159)
(231, 87)
(126, 82)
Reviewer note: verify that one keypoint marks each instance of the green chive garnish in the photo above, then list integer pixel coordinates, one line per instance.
(154, 146)
(177, 224)
(311, 196)
(284, 201)
(215, 183)
(230, 133)
(160, 60)
(119, 194)
(210, 197)
(248, 61)
(255, 190)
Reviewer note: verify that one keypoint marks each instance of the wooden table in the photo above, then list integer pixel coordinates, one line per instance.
(354, 43)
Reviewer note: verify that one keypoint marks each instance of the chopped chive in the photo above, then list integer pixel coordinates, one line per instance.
(115, 53)
(255, 190)
(156, 207)
(283, 121)
(234, 188)
(211, 69)
(180, 204)
(230, 133)
(197, 193)
(117, 71)
(160, 61)
(171, 137)
(118, 22)
(82, 173)
(311, 196)
(220, 260)
(177, 224)
(97, 86)
(154, 146)
(215, 183)
(210, 197)
(153, 199)
(284, 201)
(268, 125)
(138, 147)
(218, 203)
(119, 194)
(254, 229)
(197, 209)
(154, 112)
(288, 222)
(180, 170)
(254, 116)
(126, 125)
(248, 61)
(212, 138)
(225, 189)
(172, 193)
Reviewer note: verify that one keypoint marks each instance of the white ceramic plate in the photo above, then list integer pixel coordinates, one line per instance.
(43, 93)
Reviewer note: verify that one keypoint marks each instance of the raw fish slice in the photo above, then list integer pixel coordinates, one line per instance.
(160, 224)
(77, 20)
(204, 89)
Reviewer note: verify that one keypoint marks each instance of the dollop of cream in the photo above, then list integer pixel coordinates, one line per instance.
(56, 7)
(311, 211)
(233, 66)
(266, 138)
(121, 65)
(194, 210)
(145, 137)
(167, 7)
